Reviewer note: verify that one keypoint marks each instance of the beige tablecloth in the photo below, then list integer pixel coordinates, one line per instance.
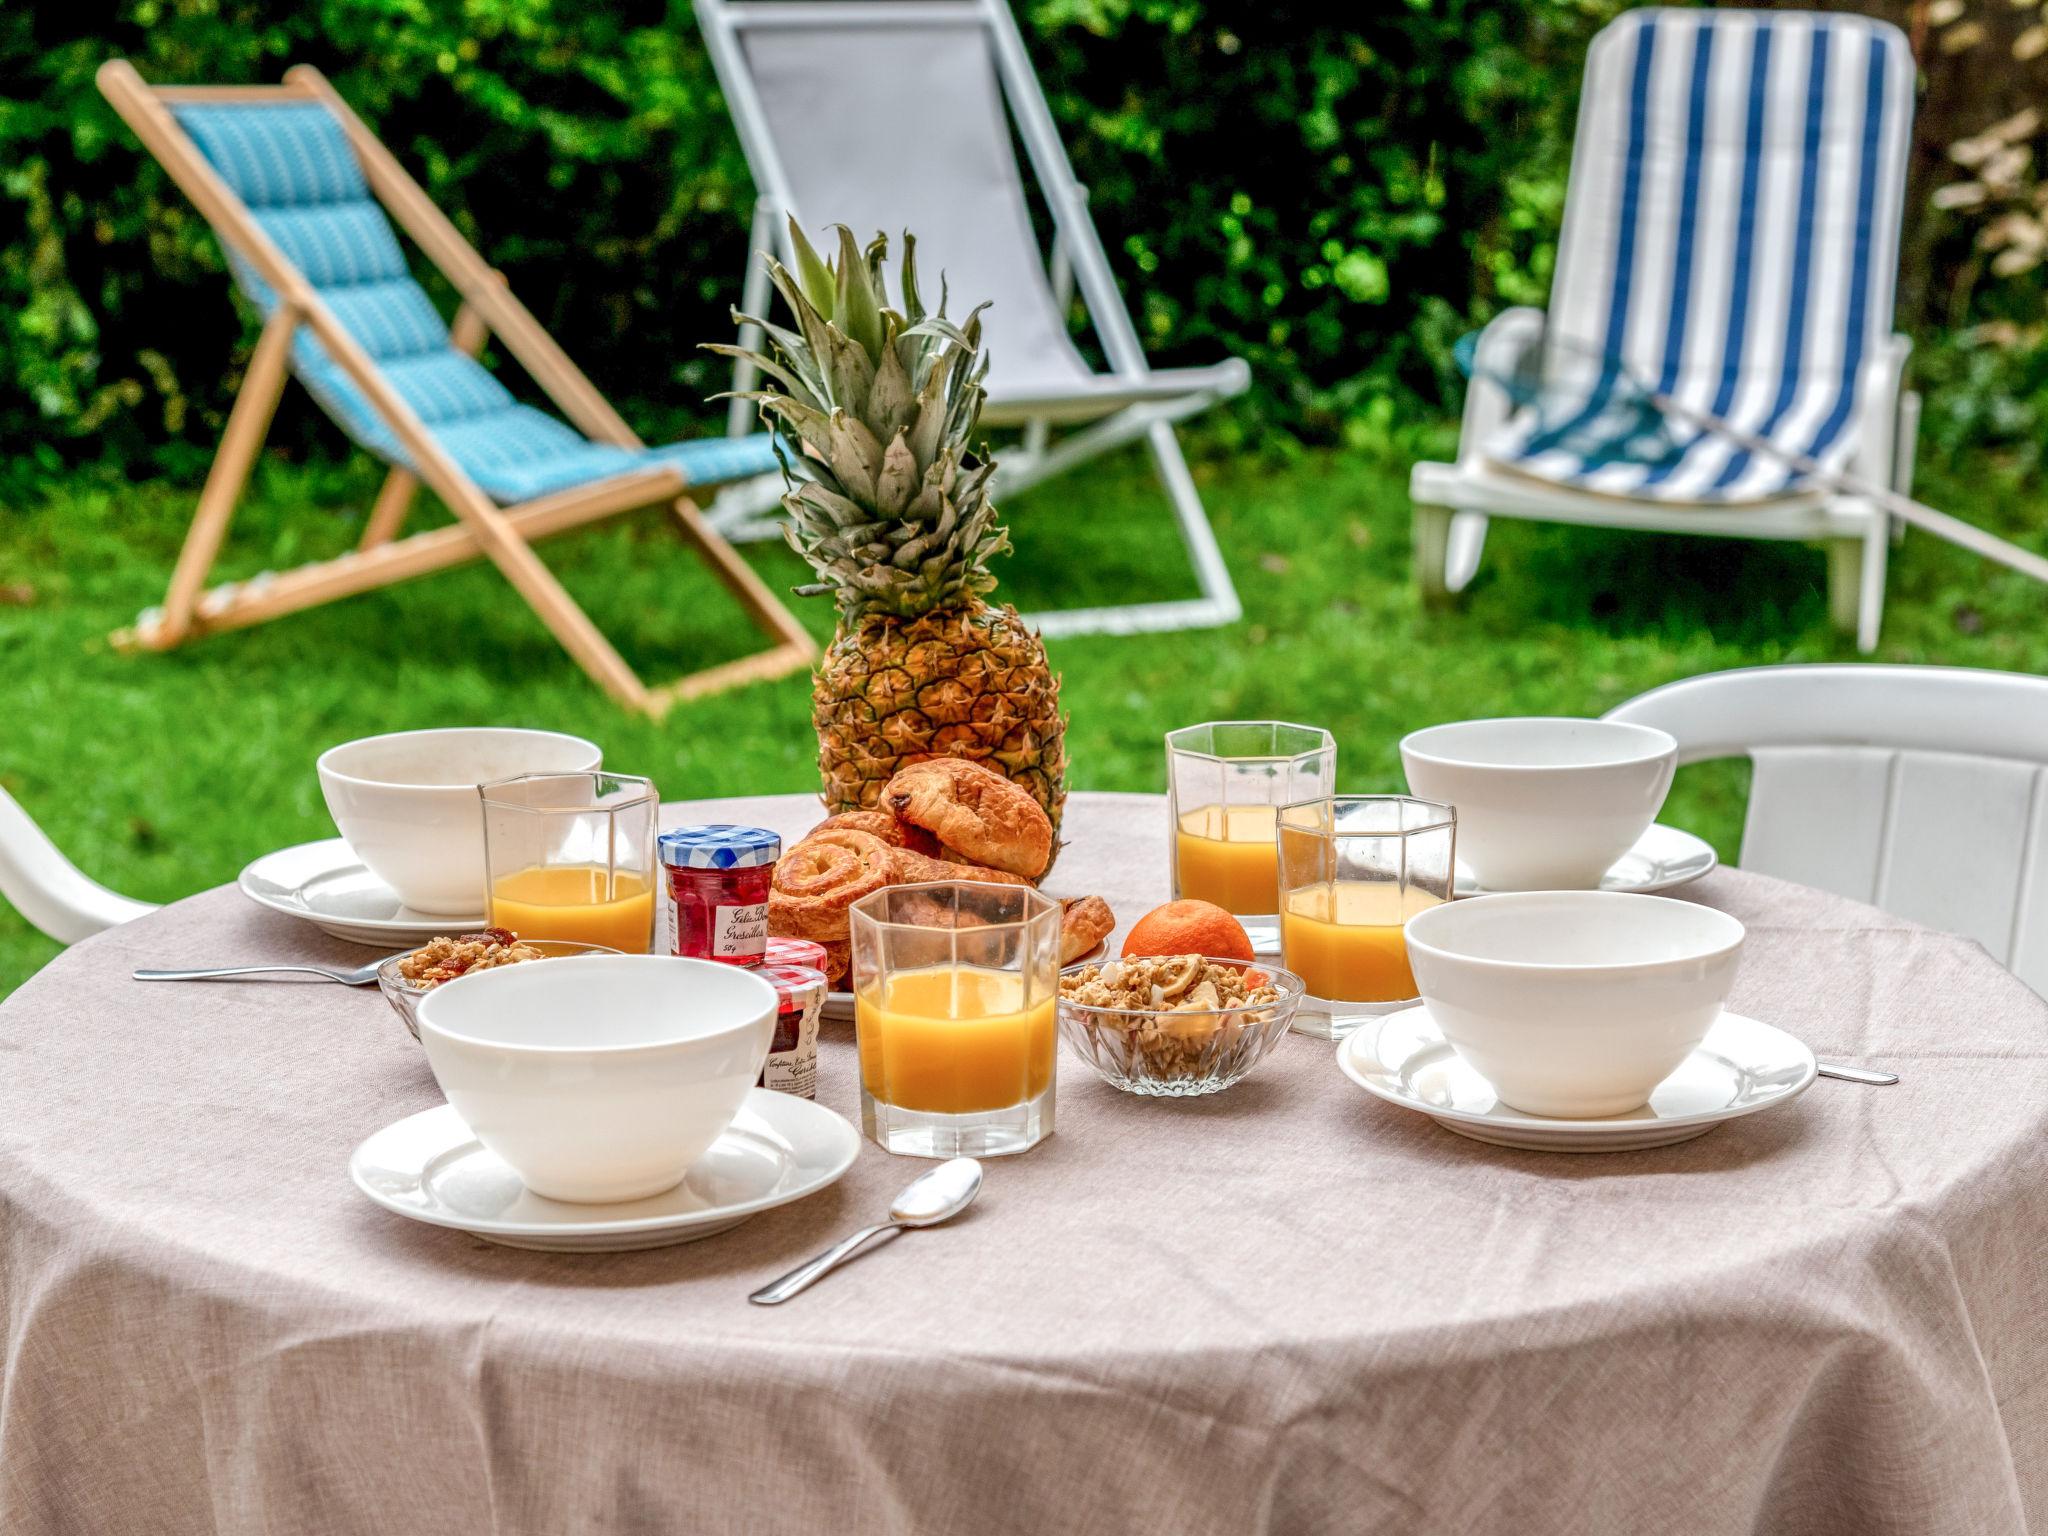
(1289, 1308)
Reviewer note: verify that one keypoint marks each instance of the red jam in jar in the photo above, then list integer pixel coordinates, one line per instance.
(792, 1064)
(715, 892)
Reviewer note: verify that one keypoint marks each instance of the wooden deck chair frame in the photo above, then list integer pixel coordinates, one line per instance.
(1150, 406)
(501, 535)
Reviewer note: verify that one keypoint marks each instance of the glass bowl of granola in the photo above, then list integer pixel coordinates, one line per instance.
(1173, 1026)
(406, 978)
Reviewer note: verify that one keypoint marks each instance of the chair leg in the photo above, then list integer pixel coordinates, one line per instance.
(1462, 549)
(1431, 541)
(248, 421)
(388, 515)
(1856, 578)
(742, 580)
(1870, 593)
(1207, 557)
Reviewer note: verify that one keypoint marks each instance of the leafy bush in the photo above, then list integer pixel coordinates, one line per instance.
(1313, 187)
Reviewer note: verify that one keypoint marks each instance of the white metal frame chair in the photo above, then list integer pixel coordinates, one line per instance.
(1677, 134)
(1921, 790)
(831, 141)
(48, 889)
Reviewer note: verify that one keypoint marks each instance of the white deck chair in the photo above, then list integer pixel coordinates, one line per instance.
(1921, 790)
(1731, 237)
(891, 116)
(48, 889)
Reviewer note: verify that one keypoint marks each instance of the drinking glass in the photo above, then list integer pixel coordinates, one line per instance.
(956, 988)
(1225, 782)
(571, 856)
(1353, 870)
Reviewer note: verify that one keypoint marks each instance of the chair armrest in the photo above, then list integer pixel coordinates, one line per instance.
(1507, 349)
(48, 889)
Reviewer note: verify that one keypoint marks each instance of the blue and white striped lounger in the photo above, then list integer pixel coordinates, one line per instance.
(1731, 240)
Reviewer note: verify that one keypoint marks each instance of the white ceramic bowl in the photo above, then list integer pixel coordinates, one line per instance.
(1543, 803)
(407, 803)
(602, 1077)
(1574, 1004)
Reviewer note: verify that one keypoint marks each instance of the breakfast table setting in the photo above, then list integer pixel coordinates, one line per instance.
(947, 1149)
(1321, 1295)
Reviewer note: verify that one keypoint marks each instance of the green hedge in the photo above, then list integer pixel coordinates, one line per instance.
(1332, 192)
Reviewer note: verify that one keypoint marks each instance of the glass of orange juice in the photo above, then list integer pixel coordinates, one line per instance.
(571, 856)
(1353, 870)
(1225, 783)
(956, 988)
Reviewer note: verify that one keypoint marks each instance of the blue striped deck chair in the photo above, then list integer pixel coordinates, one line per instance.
(298, 191)
(1731, 240)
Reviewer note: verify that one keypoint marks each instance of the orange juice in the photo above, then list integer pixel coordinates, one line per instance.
(570, 902)
(954, 1040)
(1226, 854)
(1346, 943)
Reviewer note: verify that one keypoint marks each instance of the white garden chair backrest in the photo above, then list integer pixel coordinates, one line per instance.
(1921, 790)
(891, 116)
(47, 888)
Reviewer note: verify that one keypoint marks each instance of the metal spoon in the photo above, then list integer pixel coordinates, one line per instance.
(1858, 1074)
(929, 1199)
(361, 976)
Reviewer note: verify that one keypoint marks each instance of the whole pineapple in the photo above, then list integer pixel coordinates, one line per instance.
(889, 504)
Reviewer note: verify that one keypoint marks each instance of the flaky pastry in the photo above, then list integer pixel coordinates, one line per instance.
(974, 811)
(822, 876)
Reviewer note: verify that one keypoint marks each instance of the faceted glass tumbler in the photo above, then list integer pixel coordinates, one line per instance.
(956, 987)
(1225, 783)
(571, 856)
(1353, 870)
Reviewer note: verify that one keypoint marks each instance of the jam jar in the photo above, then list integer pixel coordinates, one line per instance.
(797, 952)
(715, 883)
(792, 1064)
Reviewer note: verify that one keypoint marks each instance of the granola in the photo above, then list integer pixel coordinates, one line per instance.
(1178, 1012)
(444, 959)
(1168, 983)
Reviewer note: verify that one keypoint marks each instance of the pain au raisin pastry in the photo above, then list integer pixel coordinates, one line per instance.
(820, 878)
(975, 812)
(897, 834)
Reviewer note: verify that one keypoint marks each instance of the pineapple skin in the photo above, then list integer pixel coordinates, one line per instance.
(964, 681)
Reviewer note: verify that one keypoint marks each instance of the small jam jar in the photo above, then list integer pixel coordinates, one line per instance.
(715, 898)
(796, 952)
(792, 1064)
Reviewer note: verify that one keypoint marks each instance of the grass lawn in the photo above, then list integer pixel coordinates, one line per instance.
(163, 775)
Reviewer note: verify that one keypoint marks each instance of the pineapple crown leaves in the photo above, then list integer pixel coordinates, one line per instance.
(873, 415)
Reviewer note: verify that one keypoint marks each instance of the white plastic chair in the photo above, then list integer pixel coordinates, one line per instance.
(48, 889)
(1921, 790)
(1731, 238)
(836, 105)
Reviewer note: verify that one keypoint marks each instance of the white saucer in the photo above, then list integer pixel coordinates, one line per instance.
(1741, 1067)
(1662, 858)
(431, 1168)
(326, 885)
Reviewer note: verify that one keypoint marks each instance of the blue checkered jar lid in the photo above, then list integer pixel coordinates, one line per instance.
(720, 846)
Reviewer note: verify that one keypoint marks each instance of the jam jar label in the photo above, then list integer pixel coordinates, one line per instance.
(792, 1064)
(739, 930)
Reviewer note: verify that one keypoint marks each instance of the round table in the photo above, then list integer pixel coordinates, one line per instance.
(1287, 1308)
